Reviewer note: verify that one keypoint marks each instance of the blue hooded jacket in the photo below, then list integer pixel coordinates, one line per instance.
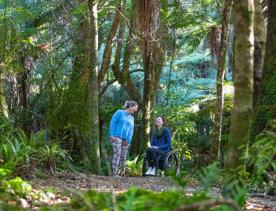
(122, 125)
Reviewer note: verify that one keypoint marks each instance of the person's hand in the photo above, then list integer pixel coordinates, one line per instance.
(124, 143)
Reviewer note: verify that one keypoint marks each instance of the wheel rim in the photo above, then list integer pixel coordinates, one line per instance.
(171, 162)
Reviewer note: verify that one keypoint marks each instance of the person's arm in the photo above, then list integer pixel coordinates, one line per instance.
(154, 142)
(113, 122)
(168, 140)
(130, 135)
(130, 132)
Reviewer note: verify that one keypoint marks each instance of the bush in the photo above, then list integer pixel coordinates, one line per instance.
(21, 154)
(134, 167)
(16, 186)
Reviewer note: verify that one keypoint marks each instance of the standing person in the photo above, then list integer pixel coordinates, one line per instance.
(120, 132)
(160, 144)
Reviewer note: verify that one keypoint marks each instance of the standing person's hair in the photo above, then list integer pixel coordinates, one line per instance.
(130, 103)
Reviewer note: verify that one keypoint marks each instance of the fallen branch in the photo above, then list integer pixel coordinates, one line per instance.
(209, 204)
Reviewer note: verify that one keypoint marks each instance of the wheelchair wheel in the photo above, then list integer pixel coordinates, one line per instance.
(172, 163)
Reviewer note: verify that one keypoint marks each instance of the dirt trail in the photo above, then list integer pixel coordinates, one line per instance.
(79, 181)
(105, 183)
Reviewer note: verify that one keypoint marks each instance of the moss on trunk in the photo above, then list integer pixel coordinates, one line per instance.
(266, 108)
(243, 83)
(93, 93)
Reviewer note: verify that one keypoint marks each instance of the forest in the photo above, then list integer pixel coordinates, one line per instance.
(201, 73)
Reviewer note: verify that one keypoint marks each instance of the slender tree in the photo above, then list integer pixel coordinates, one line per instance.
(259, 50)
(153, 57)
(266, 108)
(3, 104)
(5, 45)
(93, 93)
(243, 83)
(215, 151)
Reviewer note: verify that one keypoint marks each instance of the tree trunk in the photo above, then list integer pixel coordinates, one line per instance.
(230, 53)
(23, 89)
(93, 107)
(259, 51)
(266, 108)
(12, 97)
(242, 110)
(152, 52)
(77, 93)
(27, 65)
(80, 64)
(215, 150)
(3, 104)
(5, 46)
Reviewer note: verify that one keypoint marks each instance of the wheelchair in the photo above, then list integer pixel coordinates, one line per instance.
(168, 162)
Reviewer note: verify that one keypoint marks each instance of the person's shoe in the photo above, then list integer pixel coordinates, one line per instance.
(153, 171)
(148, 172)
(116, 176)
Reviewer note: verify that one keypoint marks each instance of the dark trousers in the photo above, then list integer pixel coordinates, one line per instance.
(153, 156)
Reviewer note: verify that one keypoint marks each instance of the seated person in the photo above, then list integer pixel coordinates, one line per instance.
(160, 144)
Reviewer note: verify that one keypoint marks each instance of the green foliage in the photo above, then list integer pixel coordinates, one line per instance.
(195, 58)
(20, 154)
(181, 179)
(6, 128)
(183, 150)
(136, 199)
(210, 176)
(15, 30)
(185, 88)
(80, 10)
(134, 167)
(72, 113)
(262, 155)
(17, 149)
(4, 173)
(49, 156)
(235, 190)
(91, 200)
(133, 199)
(195, 20)
(16, 186)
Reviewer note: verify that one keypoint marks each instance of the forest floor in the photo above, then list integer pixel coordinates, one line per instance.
(70, 182)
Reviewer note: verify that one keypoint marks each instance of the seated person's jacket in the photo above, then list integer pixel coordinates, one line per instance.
(163, 142)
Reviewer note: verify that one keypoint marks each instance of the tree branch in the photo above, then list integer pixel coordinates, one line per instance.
(123, 76)
(114, 80)
(109, 42)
